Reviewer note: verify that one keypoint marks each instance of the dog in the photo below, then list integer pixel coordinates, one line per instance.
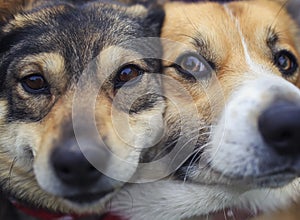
(79, 84)
(239, 64)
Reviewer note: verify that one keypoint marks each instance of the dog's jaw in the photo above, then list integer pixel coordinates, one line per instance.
(158, 200)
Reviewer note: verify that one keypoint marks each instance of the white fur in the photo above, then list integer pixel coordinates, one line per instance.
(237, 146)
(176, 200)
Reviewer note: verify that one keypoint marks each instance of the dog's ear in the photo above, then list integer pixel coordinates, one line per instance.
(9, 8)
(151, 17)
(293, 7)
(146, 3)
(154, 20)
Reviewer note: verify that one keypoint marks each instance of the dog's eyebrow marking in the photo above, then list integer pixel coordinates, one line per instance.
(253, 67)
(272, 37)
(202, 46)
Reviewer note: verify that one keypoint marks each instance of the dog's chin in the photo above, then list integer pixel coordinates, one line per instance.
(83, 203)
(77, 205)
(86, 204)
(204, 174)
(89, 198)
(238, 187)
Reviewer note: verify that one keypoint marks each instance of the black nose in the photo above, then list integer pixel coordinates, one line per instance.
(279, 126)
(71, 166)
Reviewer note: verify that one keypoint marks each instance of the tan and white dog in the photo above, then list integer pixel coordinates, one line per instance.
(239, 63)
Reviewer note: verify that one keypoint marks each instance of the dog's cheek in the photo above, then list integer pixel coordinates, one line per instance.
(126, 136)
(26, 142)
(17, 139)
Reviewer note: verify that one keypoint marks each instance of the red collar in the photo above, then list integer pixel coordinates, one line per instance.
(43, 214)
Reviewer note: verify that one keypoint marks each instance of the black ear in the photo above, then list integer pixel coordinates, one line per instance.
(154, 20)
(146, 3)
(9, 8)
(293, 7)
(150, 17)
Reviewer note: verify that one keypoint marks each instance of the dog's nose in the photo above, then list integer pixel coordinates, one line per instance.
(279, 126)
(71, 166)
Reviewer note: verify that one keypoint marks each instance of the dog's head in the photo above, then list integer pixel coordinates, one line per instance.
(80, 94)
(239, 63)
(231, 78)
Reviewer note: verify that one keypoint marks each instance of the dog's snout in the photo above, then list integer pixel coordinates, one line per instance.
(71, 166)
(279, 126)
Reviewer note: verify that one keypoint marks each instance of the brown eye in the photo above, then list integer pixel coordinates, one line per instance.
(286, 62)
(192, 65)
(128, 73)
(35, 84)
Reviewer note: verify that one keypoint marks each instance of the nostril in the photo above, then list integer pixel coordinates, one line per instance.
(279, 126)
(284, 136)
(64, 170)
(283, 141)
(91, 169)
(280, 134)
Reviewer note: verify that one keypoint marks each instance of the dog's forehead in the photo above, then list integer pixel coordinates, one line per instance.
(78, 33)
(249, 17)
(64, 15)
(198, 20)
(223, 34)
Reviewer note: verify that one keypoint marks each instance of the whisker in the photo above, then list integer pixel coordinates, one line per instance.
(224, 212)
(195, 134)
(4, 151)
(196, 156)
(10, 171)
(182, 148)
(283, 6)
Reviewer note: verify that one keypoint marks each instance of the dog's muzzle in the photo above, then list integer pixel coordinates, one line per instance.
(75, 171)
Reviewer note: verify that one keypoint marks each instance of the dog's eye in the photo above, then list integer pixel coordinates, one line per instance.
(127, 74)
(35, 84)
(192, 65)
(286, 62)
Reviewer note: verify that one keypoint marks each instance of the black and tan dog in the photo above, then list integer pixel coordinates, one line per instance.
(239, 63)
(71, 73)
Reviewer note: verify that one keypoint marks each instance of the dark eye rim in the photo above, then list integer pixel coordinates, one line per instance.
(292, 58)
(118, 84)
(190, 76)
(42, 91)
